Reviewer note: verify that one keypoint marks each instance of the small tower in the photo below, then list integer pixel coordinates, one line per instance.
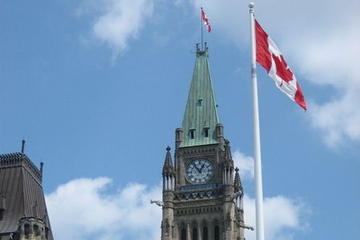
(32, 228)
(228, 182)
(239, 207)
(168, 172)
(238, 190)
(167, 224)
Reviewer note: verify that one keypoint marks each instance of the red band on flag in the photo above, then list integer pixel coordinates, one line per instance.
(299, 97)
(263, 56)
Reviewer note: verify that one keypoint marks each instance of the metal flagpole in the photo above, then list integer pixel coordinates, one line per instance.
(202, 29)
(257, 150)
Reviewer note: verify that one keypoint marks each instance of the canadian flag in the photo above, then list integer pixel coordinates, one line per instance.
(205, 20)
(269, 56)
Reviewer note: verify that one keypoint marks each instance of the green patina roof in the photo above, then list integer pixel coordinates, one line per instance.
(201, 108)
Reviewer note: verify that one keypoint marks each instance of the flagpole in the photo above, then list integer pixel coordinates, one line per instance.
(202, 29)
(257, 149)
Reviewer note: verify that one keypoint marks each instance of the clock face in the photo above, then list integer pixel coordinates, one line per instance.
(199, 171)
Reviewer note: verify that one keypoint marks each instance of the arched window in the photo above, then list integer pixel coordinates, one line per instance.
(217, 233)
(36, 230)
(205, 233)
(206, 132)
(194, 234)
(2, 211)
(27, 230)
(192, 133)
(183, 234)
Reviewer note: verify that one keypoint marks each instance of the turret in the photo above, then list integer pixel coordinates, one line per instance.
(219, 130)
(179, 137)
(167, 224)
(228, 165)
(238, 190)
(168, 172)
(32, 228)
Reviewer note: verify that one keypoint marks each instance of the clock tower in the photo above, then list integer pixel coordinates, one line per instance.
(202, 191)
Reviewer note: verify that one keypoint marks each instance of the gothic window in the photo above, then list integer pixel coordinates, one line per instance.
(36, 230)
(167, 226)
(206, 132)
(2, 206)
(205, 233)
(217, 233)
(183, 234)
(192, 133)
(195, 234)
(27, 230)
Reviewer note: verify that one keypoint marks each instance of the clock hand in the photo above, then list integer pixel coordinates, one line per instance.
(202, 167)
(199, 170)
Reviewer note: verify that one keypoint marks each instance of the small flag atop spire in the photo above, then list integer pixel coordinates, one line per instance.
(205, 20)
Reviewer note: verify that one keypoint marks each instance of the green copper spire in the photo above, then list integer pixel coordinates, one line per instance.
(201, 117)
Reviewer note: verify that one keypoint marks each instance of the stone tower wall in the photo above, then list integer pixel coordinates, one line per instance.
(32, 229)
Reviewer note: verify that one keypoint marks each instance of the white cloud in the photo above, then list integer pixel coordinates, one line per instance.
(118, 21)
(331, 60)
(83, 209)
(320, 42)
(245, 164)
(86, 209)
(282, 216)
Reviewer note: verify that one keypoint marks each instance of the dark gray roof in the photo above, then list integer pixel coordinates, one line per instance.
(20, 186)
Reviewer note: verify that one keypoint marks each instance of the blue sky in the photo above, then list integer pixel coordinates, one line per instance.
(98, 87)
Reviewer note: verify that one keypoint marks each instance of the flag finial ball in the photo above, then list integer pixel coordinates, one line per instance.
(251, 5)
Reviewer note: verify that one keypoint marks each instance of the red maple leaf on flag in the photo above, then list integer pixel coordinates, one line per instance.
(282, 69)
